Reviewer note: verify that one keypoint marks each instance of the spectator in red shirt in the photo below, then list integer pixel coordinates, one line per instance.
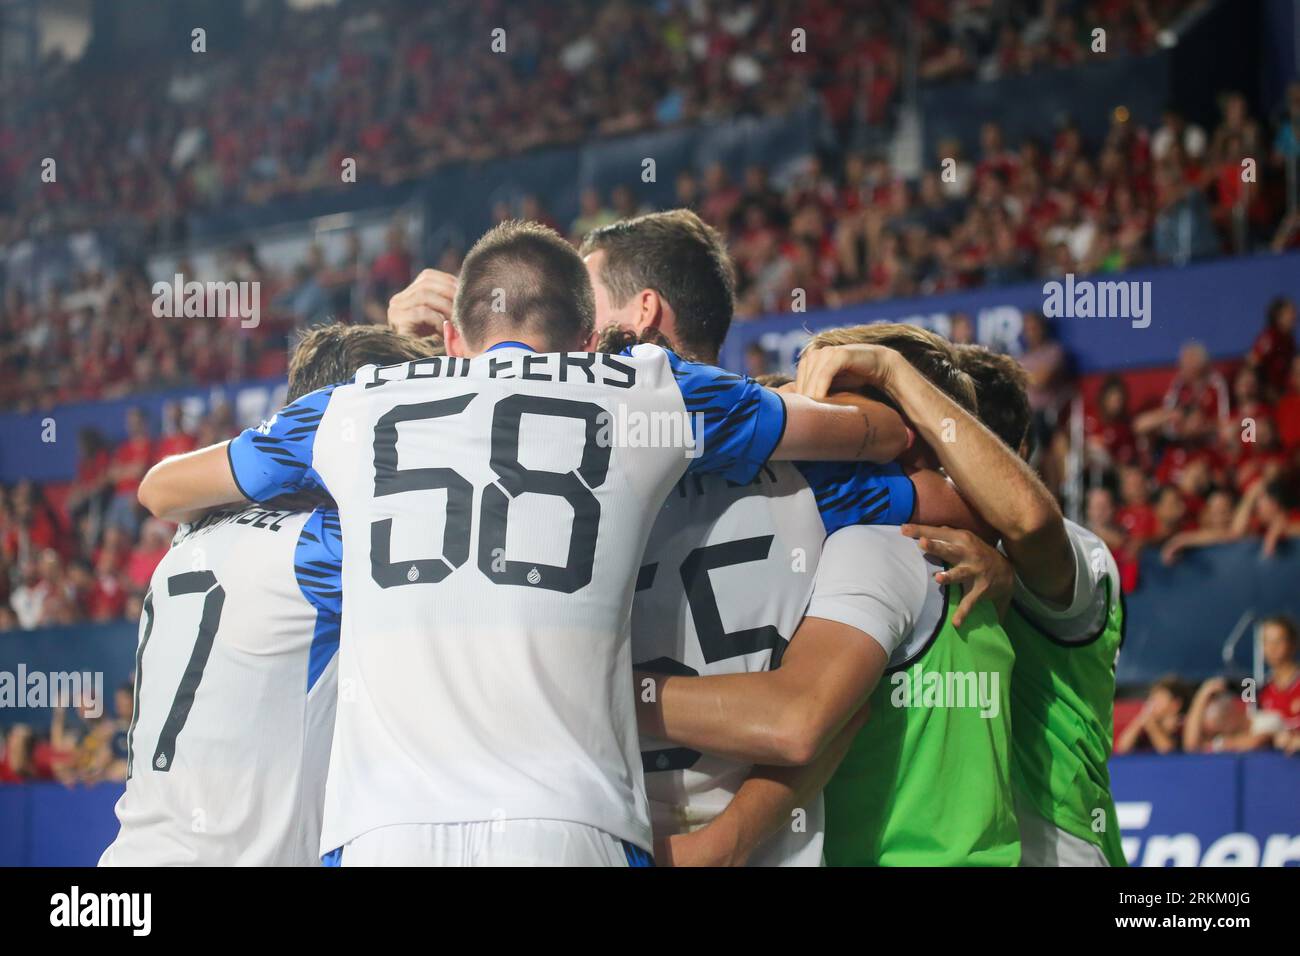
(1171, 514)
(155, 539)
(1275, 346)
(175, 439)
(1196, 402)
(1260, 459)
(91, 490)
(131, 460)
(107, 598)
(1287, 412)
(18, 762)
(1109, 429)
(1281, 695)
(1267, 509)
(1046, 362)
(1248, 396)
(391, 270)
(1219, 523)
(34, 526)
(1102, 523)
(1136, 517)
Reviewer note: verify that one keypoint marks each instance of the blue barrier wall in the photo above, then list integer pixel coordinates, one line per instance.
(1178, 624)
(27, 451)
(46, 824)
(1214, 810)
(1221, 303)
(1208, 810)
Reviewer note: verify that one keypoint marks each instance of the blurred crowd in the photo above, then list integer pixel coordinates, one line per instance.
(1217, 460)
(85, 743)
(1223, 715)
(393, 84)
(85, 550)
(824, 236)
(1012, 212)
(101, 339)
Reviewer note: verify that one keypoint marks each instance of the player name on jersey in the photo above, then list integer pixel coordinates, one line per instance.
(591, 368)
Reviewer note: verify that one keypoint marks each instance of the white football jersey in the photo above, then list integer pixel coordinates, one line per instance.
(234, 694)
(494, 515)
(727, 576)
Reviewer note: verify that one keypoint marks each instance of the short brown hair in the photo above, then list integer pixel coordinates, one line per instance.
(330, 354)
(1288, 625)
(1177, 687)
(930, 354)
(524, 278)
(1000, 385)
(682, 258)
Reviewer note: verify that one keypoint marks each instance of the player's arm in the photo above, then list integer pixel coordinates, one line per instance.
(998, 484)
(738, 425)
(846, 428)
(260, 464)
(181, 487)
(764, 804)
(864, 604)
(785, 716)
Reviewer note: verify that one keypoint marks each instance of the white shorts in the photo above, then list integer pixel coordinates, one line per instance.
(1043, 843)
(491, 843)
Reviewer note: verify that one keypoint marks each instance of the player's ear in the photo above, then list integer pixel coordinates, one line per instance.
(650, 311)
(452, 340)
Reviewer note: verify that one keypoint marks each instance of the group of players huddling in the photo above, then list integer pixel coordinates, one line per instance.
(462, 607)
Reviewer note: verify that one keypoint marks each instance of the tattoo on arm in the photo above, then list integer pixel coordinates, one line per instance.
(868, 433)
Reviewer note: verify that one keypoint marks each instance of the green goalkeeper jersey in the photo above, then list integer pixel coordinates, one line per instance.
(1062, 699)
(927, 782)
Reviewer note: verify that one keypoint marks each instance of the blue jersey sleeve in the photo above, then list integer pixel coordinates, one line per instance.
(850, 493)
(736, 422)
(318, 567)
(276, 457)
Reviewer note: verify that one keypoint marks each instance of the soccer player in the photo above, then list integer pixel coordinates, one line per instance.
(1067, 624)
(1067, 621)
(926, 781)
(495, 505)
(728, 570)
(235, 668)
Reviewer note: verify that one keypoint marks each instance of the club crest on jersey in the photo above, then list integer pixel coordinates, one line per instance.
(534, 576)
(413, 574)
